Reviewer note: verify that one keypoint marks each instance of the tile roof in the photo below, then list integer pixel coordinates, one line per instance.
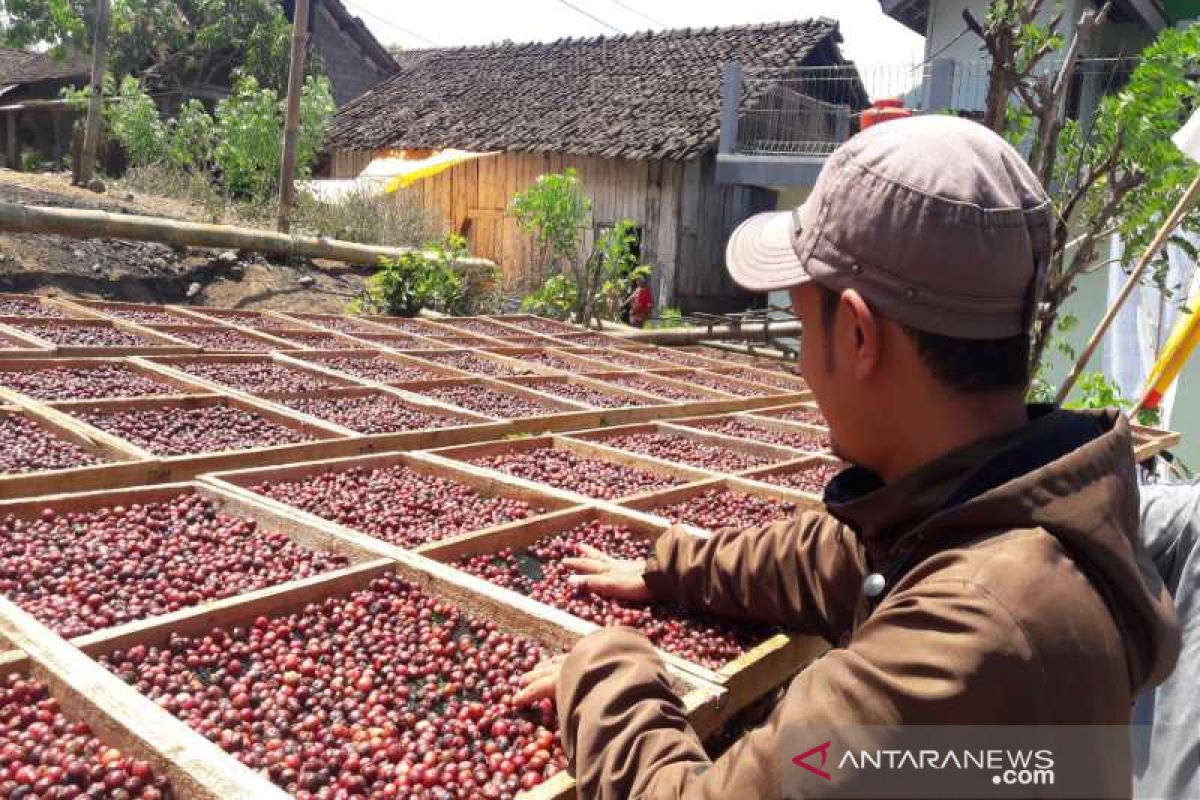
(21, 66)
(645, 95)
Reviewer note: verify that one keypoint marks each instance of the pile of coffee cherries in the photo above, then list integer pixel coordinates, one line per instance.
(588, 395)
(482, 327)
(489, 402)
(538, 572)
(720, 508)
(371, 413)
(564, 469)
(66, 335)
(811, 478)
(720, 383)
(26, 446)
(172, 430)
(85, 383)
(84, 571)
(385, 692)
(676, 393)
(316, 340)
(46, 756)
(473, 363)
(259, 377)
(742, 428)
(397, 504)
(805, 414)
(220, 340)
(378, 368)
(15, 307)
(685, 450)
(554, 360)
(149, 316)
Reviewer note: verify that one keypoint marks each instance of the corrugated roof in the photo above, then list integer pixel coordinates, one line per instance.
(646, 95)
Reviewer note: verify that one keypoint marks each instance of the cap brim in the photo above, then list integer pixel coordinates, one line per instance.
(760, 256)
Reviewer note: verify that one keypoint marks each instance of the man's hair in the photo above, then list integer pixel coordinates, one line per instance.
(965, 365)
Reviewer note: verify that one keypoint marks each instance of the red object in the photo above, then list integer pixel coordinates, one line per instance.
(642, 300)
(884, 111)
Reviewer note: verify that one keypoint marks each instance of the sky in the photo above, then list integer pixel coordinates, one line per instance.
(870, 37)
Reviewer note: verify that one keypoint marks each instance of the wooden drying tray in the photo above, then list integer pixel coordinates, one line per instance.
(758, 474)
(515, 320)
(120, 464)
(755, 420)
(220, 774)
(314, 360)
(157, 343)
(462, 455)
(497, 328)
(173, 384)
(589, 339)
(561, 414)
(484, 482)
(532, 367)
(174, 368)
(778, 412)
(795, 384)
(651, 502)
(745, 679)
(1149, 442)
(518, 367)
(326, 441)
(51, 304)
(651, 407)
(106, 309)
(531, 340)
(600, 436)
(323, 320)
(712, 402)
(469, 427)
(268, 343)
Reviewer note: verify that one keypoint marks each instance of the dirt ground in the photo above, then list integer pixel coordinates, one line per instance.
(116, 269)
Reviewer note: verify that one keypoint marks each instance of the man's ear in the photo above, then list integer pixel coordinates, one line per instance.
(864, 334)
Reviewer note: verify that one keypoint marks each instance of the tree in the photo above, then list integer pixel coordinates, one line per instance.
(176, 44)
(1118, 171)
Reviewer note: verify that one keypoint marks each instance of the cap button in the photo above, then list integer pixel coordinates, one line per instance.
(856, 269)
(910, 293)
(873, 585)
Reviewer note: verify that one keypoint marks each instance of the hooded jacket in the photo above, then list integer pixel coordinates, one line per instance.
(1016, 593)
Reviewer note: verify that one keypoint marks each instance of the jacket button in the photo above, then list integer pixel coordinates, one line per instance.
(873, 585)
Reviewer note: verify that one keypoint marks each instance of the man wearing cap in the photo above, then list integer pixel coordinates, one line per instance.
(980, 562)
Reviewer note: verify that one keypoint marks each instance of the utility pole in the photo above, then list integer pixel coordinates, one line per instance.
(291, 129)
(91, 134)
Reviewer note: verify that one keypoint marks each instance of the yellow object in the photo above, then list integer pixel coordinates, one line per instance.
(406, 167)
(1180, 346)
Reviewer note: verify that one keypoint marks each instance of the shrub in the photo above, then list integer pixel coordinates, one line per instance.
(554, 298)
(363, 215)
(432, 278)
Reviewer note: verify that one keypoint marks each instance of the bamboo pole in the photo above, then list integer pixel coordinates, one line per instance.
(89, 224)
(683, 336)
(1135, 276)
(291, 128)
(91, 133)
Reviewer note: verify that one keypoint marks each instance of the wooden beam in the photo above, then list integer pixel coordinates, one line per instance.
(91, 133)
(291, 129)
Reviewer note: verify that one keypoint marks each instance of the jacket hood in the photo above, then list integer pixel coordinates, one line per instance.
(1071, 474)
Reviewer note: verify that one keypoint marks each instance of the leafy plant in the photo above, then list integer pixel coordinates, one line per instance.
(667, 318)
(191, 138)
(132, 120)
(555, 210)
(555, 298)
(427, 278)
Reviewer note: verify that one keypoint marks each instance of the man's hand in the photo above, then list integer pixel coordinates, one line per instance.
(540, 683)
(608, 576)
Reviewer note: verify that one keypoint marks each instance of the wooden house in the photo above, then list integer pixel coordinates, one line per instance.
(638, 117)
(353, 58)
(26, 126)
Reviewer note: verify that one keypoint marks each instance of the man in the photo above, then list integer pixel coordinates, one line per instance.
(979, 565)
(1166, 742)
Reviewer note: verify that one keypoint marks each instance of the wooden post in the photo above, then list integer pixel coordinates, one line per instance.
(14, 142)
(91, 136)
(291, 130)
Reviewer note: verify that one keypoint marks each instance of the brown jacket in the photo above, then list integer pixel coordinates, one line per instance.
(1015, 595)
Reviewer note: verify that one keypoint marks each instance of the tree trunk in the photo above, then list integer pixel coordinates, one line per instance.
(91, 136)
(291, 128)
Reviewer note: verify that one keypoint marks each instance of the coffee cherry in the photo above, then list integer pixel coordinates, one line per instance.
(377, 368)
(260, 377)
(43, 754)
(397, 341)
(316, 340)
(83, 571)
(625, 360)
(773, 378)
(384, 692)
(684, 450)
(172, 430)
(488, 401)
(473, 363)
(340, 324)
(588, 395)
(549, 358)
(372, 413)
(29, 309)
(564, 469)
(397, 504)
(26, 446)
(805, 414)
(721, 383)
(85, 383)
(221, 340)
(666, 391)
(541, 325)
(720, 508)
(811, 478)
(537, 571)
(147, 316)
(483, 327)
(84, 335)
(743, 428)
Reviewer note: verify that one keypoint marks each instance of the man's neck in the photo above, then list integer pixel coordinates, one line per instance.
(946, 423)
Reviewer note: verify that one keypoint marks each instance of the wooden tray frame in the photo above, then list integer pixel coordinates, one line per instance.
(576, 340)
(567, 413)
(755, 475)
(283, 333)
(598, 436)
(514, 320)
(55, 303)
(315, 319)
(457, 323)
(167, 345)
(314, 360)
(101, 309)
(745, 679)
(269, 342)
(583, 365)
(785, 425)
(523, 369)
(1149, 442)
(170, 367)
(650, 502)
(186, 384)
(120, 465)
(776, 412)
(459, 457)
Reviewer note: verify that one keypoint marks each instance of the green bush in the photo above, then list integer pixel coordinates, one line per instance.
(555, 298)
(432, 279)
(191, 138)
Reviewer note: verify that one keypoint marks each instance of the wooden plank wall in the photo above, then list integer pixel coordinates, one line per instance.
(686, 218)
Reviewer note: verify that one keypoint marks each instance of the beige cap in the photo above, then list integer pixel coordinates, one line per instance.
(935, 220)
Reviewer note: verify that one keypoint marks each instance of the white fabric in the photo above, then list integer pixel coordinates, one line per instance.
(1187, 138)
(1143, 325)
